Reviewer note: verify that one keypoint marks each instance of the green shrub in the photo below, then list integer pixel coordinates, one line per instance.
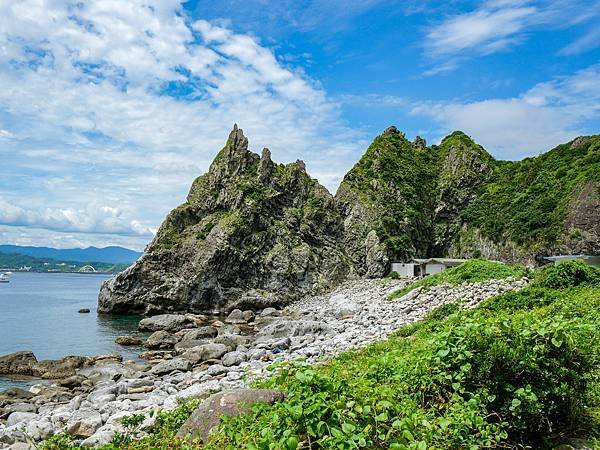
(518, 372)
(568, 274)
(393, 275)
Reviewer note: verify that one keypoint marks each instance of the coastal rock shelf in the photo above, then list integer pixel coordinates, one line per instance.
(199, 359)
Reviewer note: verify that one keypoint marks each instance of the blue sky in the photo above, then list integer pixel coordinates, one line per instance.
(109, 109)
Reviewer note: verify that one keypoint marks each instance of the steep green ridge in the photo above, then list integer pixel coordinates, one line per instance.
(404, 200)
(390, 193)
(529, 202)
(252, 233)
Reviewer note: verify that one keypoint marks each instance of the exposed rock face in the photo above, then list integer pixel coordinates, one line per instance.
(386, 202)
(582, 227)
(403, 199)
(251, 232)
(466, 166)
(254, 234)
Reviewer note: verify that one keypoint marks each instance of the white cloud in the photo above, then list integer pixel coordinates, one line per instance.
(497, 25)
(546, 115)
(487, 30)
(127, 102)
(588, 41)
(93, 218)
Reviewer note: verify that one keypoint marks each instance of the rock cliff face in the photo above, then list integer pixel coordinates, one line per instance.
(386, 201)
(404, 199)
(252, 233)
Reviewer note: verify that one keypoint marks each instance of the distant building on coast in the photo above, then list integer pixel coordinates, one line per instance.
(592, 260)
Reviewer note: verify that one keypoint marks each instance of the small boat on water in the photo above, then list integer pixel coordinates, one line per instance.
(5, 277)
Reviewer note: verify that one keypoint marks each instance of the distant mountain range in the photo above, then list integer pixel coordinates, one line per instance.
(112, 255)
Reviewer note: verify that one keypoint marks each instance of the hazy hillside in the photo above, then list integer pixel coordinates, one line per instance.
(112, 255)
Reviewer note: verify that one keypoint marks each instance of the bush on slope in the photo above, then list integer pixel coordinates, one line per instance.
(470, 271)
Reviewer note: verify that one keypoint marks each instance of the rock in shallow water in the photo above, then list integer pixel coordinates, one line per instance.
(167, 322)
(128, 340)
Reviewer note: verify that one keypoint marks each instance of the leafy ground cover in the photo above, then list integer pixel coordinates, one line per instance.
(520, 371)
(470, 271)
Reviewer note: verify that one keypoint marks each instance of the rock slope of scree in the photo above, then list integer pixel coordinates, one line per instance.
(214, 357)
(252, 233)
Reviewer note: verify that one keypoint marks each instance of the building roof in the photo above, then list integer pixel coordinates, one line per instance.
(446, 261)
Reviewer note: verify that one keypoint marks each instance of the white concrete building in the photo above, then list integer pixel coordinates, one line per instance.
(419, 267)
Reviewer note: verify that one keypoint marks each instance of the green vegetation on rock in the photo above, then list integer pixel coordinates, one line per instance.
(250, 223)
(527, 202)
(405, 200)
(470, 271)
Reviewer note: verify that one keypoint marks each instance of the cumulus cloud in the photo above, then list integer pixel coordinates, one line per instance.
(92, 219)
(127, 102)
(535, 121)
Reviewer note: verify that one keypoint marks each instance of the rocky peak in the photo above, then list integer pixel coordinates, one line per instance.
(392, 131)
(253, 233)
(420, 143)
(237, 142)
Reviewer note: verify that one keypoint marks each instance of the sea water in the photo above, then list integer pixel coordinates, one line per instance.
(39, 312)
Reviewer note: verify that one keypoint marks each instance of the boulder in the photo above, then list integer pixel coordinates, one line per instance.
(59, 368)
(101, 437)
(270, 312)
(84, 311)
(236, 316)
(161, 340)
(171, 365)
(205, 352)
(248, 315)
(342, 307)
(14, 395)
(128, 340)
(234, 359)
(167, 322)
(18, 363)
(200, 333)
(230, 404)
(20, 417)
(84, 423)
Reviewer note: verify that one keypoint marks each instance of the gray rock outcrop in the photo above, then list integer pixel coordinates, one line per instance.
(251, 234)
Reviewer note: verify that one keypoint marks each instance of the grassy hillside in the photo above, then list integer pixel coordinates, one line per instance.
(395, 183)
(14, 261)
(454, 198)
(520, 371)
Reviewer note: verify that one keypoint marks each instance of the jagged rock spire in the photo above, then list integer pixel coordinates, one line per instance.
(237, 141)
